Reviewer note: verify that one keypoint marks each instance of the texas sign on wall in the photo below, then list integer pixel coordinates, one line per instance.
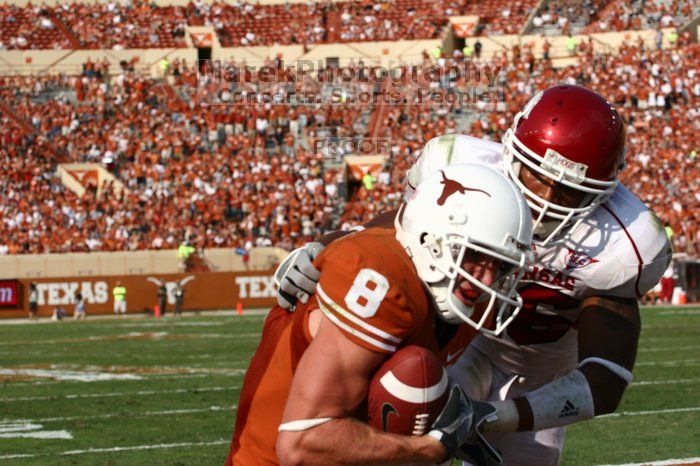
(202, 291)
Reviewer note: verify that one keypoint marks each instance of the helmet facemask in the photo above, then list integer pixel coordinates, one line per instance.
(496, 303)
(551, 218)
(463, 252)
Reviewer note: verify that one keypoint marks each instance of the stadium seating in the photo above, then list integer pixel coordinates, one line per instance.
(113, 26)
(240, 176)
(248, 175)
(144, 25)
(556, 17)
(500, 16)
(622, 15)
(187, 172)
(30, 27)
(403, 19)
(560, 17)
(253, 24)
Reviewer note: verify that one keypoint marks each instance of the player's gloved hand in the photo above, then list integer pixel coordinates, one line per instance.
(477, 450)
(453, 426)
(296, 276)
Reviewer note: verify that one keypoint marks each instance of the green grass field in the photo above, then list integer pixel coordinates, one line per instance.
(164, 392)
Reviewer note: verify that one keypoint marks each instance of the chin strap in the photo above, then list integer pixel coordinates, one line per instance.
(439, 294)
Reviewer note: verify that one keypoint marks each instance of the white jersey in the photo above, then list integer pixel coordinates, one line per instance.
(620, 250)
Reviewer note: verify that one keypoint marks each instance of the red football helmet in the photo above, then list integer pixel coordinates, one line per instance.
(574, 137)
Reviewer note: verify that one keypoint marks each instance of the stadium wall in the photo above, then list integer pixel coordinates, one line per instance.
(604, 42)
(385, 53)
(39, 62)
(202, 291)
(90, 264)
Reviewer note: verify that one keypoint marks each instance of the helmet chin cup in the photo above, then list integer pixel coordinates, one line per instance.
(446, 308)
(453, 310)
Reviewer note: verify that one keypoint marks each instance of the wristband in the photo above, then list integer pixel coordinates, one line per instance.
(302, 424)
(562, 402)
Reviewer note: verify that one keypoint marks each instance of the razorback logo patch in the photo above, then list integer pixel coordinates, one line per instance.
(452, 187)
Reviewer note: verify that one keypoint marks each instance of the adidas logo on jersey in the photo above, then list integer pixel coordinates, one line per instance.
(568, 410)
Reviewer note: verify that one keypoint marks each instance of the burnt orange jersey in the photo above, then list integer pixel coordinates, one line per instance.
(369, 288)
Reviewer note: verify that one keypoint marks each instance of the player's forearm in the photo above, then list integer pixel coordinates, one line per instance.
(608, 333)
(348, 441)
(562, 402)
(593, 389)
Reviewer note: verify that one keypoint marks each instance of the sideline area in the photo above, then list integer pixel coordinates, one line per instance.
(169, 315)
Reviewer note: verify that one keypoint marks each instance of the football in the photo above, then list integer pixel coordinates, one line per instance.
(408, 392)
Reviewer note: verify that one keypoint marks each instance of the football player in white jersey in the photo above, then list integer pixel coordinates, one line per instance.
(568, 355)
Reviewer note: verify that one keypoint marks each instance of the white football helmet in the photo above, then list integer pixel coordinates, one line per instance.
(456, 214)
(449, 149)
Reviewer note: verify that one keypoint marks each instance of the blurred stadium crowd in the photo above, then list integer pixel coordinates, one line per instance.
(140, 24)
(247, 175)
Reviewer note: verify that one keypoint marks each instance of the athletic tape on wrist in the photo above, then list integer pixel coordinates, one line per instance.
(302, 424)
(615, 368)
(562, 402)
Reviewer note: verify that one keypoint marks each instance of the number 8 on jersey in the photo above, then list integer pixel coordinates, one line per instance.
(366, 293)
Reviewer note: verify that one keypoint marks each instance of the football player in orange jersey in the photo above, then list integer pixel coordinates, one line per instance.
(379, 290)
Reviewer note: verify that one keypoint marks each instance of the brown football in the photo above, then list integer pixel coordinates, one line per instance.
(408, 392)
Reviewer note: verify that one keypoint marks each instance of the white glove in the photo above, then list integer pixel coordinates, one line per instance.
(296, 276)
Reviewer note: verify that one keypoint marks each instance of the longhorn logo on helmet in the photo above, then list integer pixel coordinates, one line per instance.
(452, 187)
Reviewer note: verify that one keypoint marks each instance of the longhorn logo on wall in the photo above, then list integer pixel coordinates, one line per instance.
(171, 285)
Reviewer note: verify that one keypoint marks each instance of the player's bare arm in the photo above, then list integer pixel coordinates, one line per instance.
(608, 330)
(316, 395)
